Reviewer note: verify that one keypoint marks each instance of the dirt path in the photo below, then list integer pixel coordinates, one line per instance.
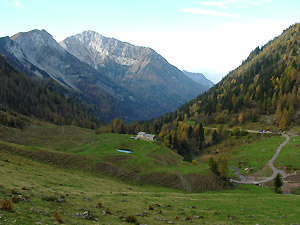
(270, 163)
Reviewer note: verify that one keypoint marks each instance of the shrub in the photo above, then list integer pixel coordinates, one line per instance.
(15, 199)
(6, 204)
(130, 219)
(194, 162)
(107, 211)
(58, 218)
(278, 190)
(99, 205)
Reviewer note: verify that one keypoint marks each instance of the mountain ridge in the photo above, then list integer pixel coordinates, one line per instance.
(199, 78)
(140, 70)
(129, 82)
(39, 54)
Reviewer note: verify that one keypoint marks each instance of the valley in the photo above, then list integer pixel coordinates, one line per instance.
(70, 189)
(71, 112)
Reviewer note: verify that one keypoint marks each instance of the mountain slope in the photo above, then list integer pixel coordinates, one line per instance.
(199, 78)
(36, 53)
(21, 94)
(264, 92)
(142, 71)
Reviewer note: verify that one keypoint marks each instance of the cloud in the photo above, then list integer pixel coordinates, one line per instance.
(220, 4)
(17, 4)
(208, 12)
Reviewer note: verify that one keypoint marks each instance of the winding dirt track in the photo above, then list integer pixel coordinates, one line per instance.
(270, 163)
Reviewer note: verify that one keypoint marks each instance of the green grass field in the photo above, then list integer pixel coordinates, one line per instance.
(255, 155)
(82, 191)
(289, 157)
(60, 170)
(147, 156)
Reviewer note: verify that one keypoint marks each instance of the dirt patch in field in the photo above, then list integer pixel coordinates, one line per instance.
(295, 178)
(291, 182)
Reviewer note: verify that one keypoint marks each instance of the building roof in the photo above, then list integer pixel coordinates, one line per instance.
(150, 135)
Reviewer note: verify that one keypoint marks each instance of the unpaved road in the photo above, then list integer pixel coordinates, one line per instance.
(270, 163)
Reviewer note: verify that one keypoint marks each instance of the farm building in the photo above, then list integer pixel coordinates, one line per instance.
(144, 136)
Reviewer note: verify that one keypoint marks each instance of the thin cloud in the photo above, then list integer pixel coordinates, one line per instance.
(208, 12)
(18, 4)
(220, 4)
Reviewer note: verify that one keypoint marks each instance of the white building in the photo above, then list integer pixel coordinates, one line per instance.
(144, 136)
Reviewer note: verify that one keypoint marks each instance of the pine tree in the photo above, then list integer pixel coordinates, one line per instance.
(284, 120)
(278, 113)
(278, 183)
(201, 132)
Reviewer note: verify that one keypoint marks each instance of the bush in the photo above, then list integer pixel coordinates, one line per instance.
(130, 219)
(58, 218)
(6, 204)
(278, 190)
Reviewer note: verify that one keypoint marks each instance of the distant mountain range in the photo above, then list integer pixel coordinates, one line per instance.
(199, 78)
(119, 79)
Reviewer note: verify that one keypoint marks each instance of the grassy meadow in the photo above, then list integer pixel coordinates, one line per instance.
(289, 158)
(53, 194)
(255, 155)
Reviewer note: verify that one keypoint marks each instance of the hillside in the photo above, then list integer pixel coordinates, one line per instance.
(44, 191)
(74, 147)
(262, 93)
(159, 86)
(18, 93)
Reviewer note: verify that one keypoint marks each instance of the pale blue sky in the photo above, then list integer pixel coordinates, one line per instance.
(212, 37)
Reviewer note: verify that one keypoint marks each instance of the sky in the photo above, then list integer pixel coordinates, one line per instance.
(211, 37)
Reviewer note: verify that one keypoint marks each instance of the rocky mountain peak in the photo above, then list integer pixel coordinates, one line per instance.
(35, 37)
(93, 48)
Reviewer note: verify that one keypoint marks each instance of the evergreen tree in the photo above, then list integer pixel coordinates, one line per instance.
(278, 183)
(215, 138)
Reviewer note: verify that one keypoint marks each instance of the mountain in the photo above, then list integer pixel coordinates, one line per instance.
(117, 78)
(37, 54)
(19, 93)
(263, 92)
(160, 86)
(199, 78)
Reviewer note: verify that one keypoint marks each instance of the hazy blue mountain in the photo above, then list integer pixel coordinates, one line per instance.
(199, 78)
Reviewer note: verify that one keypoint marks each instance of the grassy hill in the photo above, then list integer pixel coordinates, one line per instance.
(51, 193)
(79, 148)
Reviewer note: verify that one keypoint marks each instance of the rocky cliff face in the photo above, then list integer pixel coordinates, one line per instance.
(94, 49)
(140, 70)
